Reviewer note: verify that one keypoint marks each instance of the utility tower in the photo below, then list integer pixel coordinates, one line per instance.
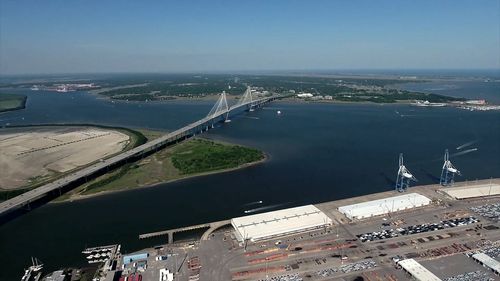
(448, 172)
(404, 176)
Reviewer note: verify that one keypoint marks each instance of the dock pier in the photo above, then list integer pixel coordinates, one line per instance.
(211, 227)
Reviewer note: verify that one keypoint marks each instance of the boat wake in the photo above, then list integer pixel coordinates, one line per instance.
(253, 203)
(265, 208)
(464, 152)
(466, 144)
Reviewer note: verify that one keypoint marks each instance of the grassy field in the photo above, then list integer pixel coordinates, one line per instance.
(199, 156)
(190, 158)
(10, 102)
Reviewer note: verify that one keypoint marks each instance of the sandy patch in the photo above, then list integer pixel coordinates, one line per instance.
(30, 153)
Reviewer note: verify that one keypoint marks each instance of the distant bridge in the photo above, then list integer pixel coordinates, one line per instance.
(219, 113)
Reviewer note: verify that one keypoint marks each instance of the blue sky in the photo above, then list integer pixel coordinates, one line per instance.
(182, 36)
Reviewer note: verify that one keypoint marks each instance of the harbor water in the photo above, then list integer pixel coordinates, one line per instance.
(317, 152)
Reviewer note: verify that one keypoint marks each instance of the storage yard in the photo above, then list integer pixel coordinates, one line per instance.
(30, 157)
(432, 237)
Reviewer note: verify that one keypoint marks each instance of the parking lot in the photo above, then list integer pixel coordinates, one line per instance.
(458, 267)
(414, 229)
(347, 268)
(490, 211)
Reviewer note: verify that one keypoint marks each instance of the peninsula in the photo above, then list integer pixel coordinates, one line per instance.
(194, 157)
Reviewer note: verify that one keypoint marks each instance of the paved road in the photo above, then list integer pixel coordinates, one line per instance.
(41, 191)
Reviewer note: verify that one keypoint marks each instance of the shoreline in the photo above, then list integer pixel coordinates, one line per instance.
(78, 197)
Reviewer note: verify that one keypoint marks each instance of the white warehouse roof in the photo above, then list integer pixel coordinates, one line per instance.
(480, 190)
(417, 271)
(384, 206)
(279, 223)
(488, 262)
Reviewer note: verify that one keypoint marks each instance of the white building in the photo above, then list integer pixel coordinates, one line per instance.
(480, 190)
(384, 206)
(305, 95)
(417, 271)
(488, 262)
(279, 223)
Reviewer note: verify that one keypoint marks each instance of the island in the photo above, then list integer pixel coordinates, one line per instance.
(194, 157)
(9, 102)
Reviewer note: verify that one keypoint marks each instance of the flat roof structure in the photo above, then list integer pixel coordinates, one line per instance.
(488, 261)
(279, 223)
(480, 190)
(384, 206)
(418, 271)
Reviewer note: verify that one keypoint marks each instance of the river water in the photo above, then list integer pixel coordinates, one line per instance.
(317, 152)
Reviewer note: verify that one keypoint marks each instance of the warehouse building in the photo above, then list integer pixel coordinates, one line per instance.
(279, 223)
(384, 206)
(480, 190)
(417, 271)
(488, 262)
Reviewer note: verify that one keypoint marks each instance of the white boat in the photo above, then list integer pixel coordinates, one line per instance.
(428, 104)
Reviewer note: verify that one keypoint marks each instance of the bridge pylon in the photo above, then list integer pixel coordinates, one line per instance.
(404, 176)
(448, 172)
(220, 107)
(247, 99)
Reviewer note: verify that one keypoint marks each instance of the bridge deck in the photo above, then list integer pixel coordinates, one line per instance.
(41, 191)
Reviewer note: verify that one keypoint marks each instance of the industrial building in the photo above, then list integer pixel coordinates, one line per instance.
(279, 223)
(488, 262)
(384, 206)
(480, 190)
(417, 271)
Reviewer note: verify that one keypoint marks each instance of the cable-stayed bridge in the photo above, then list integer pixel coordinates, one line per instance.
(220, 112)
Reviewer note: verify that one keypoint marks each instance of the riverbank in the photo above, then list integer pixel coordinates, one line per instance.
(193, 158)
(10, 102)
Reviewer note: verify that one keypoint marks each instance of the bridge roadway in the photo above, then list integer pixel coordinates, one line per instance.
(37, 193)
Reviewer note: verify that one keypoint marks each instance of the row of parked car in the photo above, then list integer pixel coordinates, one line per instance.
(346, 268)
(285, 277)
(471, 276)
(490, 211)
(413, 229)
